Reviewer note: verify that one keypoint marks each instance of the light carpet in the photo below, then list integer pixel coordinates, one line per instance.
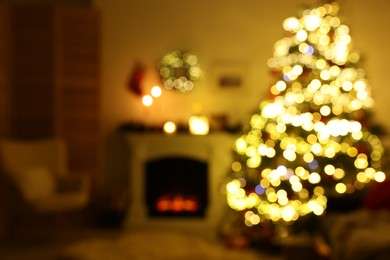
(157, 245)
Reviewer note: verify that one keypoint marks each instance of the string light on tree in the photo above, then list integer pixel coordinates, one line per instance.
(312, 138)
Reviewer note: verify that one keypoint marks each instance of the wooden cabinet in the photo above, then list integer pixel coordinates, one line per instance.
(49, 77)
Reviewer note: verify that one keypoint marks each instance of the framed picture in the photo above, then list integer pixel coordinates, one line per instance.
(231, 77)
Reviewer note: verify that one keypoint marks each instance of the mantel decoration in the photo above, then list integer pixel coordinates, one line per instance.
(180, 71)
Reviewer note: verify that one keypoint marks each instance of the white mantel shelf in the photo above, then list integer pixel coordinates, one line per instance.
(215, 149)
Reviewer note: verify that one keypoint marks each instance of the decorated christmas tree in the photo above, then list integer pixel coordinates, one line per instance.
(314, 137)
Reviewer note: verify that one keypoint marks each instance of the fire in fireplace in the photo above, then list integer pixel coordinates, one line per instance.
(177, 203)
(176, 187)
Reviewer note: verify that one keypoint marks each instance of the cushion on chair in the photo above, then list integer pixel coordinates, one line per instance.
(17, 155)
(39, 171)
(36, 183)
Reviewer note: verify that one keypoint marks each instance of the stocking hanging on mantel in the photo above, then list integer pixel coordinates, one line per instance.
(136, 76)
(313, 139)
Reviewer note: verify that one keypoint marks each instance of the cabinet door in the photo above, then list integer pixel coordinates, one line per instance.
(4, 70)
(32, 93)
(77, 82)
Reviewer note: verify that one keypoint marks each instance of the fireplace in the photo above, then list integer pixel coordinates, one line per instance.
(177, 181)
(176, 186)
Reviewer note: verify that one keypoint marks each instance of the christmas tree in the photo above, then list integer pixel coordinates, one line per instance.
(313, 138)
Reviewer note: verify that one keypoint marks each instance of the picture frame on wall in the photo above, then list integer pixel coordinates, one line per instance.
(231, 77)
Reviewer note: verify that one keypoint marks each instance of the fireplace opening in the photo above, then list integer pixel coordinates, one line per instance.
(176, 187)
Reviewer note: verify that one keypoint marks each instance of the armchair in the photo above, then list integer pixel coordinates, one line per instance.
(37, 169)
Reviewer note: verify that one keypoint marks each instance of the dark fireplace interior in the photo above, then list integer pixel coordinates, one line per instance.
(176, 187)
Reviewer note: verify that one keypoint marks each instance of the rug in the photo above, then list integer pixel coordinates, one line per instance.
(157, 245)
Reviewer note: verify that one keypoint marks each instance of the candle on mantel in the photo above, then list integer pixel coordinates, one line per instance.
(199, 125)
(169, 128)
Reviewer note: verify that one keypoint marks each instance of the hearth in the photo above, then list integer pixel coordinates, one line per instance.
(177, 181)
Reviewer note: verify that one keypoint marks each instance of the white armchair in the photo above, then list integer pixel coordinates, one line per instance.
(38, 168)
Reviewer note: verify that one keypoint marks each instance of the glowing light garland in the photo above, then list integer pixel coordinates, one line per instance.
(309, 141)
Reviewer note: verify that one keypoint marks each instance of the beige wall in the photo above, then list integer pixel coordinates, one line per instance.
(219, 31)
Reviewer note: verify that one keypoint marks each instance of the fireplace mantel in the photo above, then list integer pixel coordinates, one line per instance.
(215, 149)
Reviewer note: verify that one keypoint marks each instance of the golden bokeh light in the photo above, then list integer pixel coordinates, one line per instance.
(169, 128)
(147, 100)
(312, 137)
(156, 91)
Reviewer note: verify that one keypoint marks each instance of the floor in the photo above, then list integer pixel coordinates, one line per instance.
(109, 244)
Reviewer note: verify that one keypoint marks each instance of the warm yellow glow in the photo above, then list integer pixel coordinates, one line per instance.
(297, 187)
(199, 125)
(310, 138)
(169, 127)
(254, 161)
(270, 152)
(339, 173)
(147, 100)
(302, 173)
(304, 194)
(321, 64)
(301, 35)
(314, 178)
(354, 57)
(251, 151)
(288, 213)
(265, 183)
(361, 177)
(318, 190)
(240, 145)
(316, 149)
(341, 188)
(272, 110)
(380, 176)
(312, 22)
(352, 151)
(291, 24)
(156, 91)
(255, 219)
(361, 161)
(236, 166)
(325, 110)
(289, 155)
(308, 157)
(370, 173)
(329, 169)
(233, 186)
(280, 86)
(334, 71)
